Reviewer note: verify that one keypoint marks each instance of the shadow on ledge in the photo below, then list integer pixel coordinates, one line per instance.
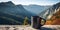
(44, 28)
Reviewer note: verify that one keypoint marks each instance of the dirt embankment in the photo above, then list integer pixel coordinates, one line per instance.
(55, 19)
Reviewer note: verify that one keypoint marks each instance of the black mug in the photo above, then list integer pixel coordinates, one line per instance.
(37, 22)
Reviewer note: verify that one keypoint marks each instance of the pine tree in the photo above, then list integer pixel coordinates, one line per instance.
(26, 21)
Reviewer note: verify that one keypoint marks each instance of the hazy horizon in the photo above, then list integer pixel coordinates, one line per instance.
(29, 2)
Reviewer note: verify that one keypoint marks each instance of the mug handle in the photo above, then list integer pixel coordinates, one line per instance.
(43, 21)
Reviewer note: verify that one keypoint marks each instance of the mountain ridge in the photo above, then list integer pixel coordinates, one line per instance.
(13, 13)
(35, 8)
(50, 11)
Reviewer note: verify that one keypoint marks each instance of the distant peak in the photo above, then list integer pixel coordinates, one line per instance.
(58, 3)
(7, 3)
(19, 5)
(56, 6)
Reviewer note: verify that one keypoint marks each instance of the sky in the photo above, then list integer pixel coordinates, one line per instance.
(28, 2)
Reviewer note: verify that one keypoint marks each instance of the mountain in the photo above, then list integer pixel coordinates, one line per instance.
(25, 12)
(35, 8)
(12, 14)
(46, 14)
(55, 19)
